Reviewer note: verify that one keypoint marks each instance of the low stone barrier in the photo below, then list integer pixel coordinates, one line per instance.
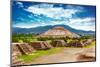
(58, 43)
(75, 44)
(41, 45)
(22, 48)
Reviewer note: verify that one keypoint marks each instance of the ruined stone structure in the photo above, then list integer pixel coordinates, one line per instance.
(79, 44)
(87, 55)
(40, 45)
(16, 50)
(16, 60)
(58, 43)
(58, 32)
(75, 44)
(22, 48)
(88, 41)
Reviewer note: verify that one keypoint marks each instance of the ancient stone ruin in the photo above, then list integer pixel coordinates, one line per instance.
(23, 48)
(20, 49)
(75, 44)
(16, 60)
(86, 42)
(40, 45)
(79, 44)
(15, 53)
(58, 32)
(62, 43)
(58, 43)
(16, 50)
(87, 55)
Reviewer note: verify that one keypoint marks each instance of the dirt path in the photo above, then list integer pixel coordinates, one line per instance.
(66, 55)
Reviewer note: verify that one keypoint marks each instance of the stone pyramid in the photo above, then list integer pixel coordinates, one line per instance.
(57, 32)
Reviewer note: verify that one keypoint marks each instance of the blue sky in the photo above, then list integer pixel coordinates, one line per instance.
(35, 14)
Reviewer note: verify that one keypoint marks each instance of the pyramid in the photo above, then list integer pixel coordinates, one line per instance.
(57, 32)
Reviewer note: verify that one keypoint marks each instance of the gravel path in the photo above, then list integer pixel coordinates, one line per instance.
(65, 55)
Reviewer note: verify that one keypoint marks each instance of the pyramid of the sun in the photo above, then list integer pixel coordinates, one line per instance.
(57, 32)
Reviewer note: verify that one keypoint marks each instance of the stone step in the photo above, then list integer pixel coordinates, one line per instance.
(41, 45)
(25, 48)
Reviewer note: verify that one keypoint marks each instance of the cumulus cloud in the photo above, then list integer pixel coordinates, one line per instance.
(75, 7)
(32, 25)
(83, 23)
(60, 15)
(52, 12)
(77, 23)
(44, 5)
(20, 4)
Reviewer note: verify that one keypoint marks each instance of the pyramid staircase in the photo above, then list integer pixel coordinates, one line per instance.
(25, 48)
(41, 45)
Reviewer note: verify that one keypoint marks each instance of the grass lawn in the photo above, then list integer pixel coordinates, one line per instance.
(34, 55)
(90, 45)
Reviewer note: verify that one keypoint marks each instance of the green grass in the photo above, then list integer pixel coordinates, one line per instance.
(90, 45)
(69, 40)
(37, 54)
(49, 41)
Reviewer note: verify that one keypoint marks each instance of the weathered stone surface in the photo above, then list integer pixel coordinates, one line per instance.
(88, 41)
(88, 54)
(58, 32)
(58, 43)
(23, 48)
(75, 44)
(41, 45)
(15, 60)
(20, 49)
(15, 50)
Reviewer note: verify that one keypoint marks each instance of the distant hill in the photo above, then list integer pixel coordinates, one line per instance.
(41, 29)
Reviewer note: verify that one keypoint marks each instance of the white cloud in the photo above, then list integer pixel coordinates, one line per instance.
(32, 25)
(20, 4)
(77, 23)
(75, 7)
(30, 16)
(87, 20)
(83, 23)
(21, 19)
(44, 5)
(58, 13)
(86, 28)
(51, 11)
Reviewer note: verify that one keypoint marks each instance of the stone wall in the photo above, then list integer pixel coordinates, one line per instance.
(16, 60)
(41, 45)
(22, 48)
(58, 43)
(75, 44)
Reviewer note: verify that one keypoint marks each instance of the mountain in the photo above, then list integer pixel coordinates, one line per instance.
(41, 29)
